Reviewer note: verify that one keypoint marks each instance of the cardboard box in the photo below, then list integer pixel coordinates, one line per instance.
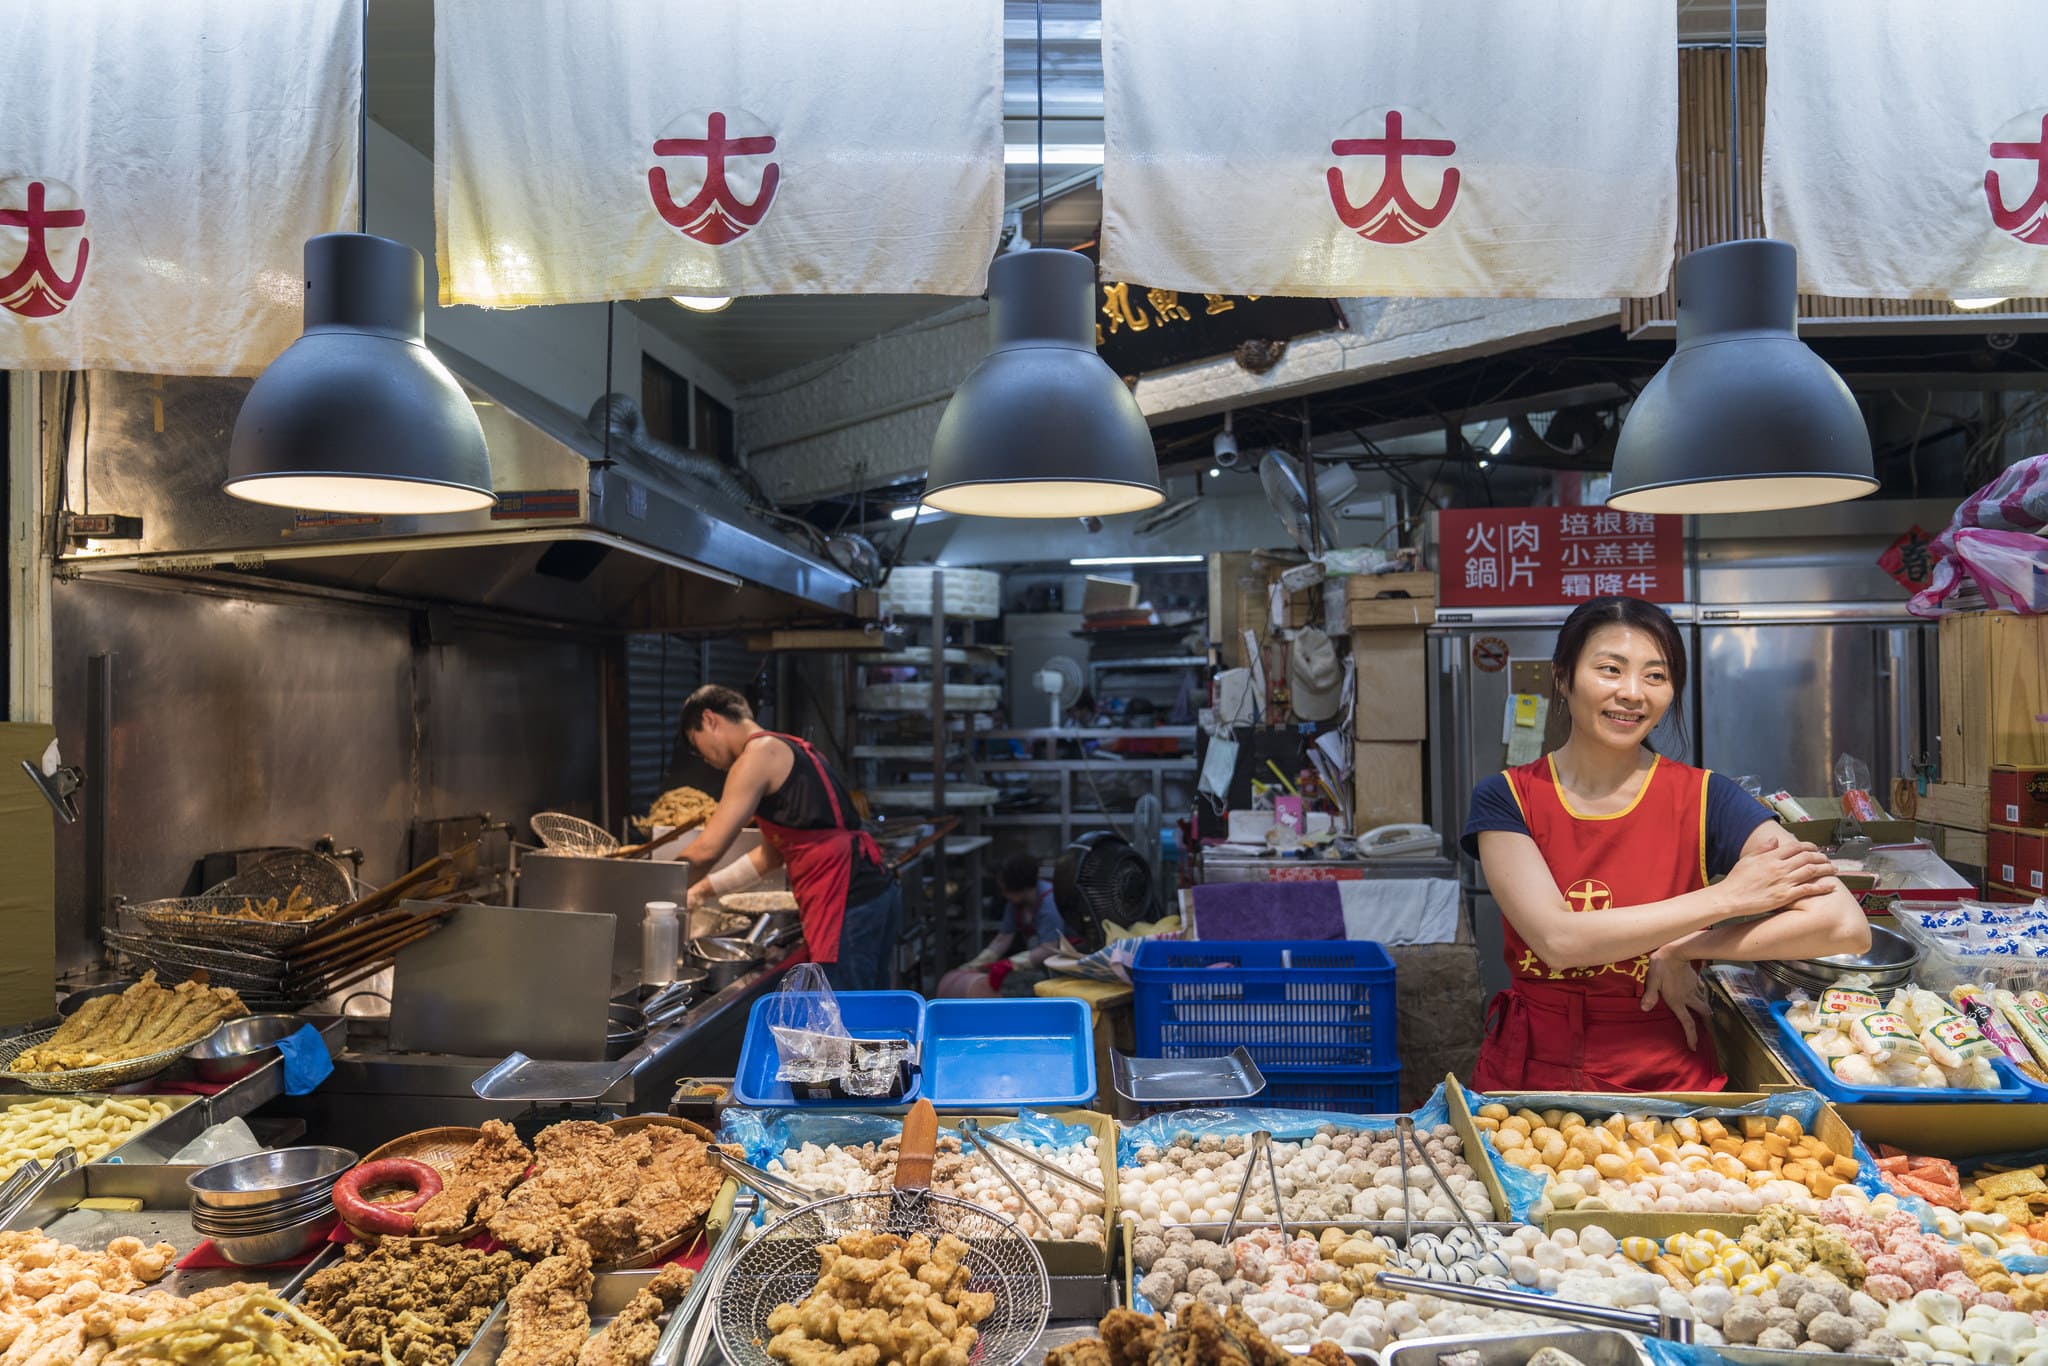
(2001, 857)
(1955, 1130)
(2019, 797)
(1994, 694)
(2006, 896)
(1827, 815)
(2030, 861)
(1393, 696)
(1372, 601)
(1388, 779)
(1959, 806)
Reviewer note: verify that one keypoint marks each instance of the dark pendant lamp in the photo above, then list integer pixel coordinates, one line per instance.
(358, 415)
(1042, 427)
(1744, 417)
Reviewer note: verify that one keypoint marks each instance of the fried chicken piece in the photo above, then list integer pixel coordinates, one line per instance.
(1327, 1353)
(1130, 1336)
(630, 1339)
(1262, 1350)
(547, 1315)
(612, 1234)
(489, 1169)
(1086, 1352)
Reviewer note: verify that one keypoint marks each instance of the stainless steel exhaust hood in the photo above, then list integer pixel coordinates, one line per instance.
(569, 539)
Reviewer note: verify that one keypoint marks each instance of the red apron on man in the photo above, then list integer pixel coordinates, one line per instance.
(1584, 1029)
(819, 862)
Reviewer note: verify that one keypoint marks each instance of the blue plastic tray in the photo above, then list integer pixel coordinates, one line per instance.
(1823, 1079)
(868, 1015)
(1001, 1054)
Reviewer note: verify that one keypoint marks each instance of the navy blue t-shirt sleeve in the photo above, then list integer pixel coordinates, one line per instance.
(1493, 808)
(1732, 817)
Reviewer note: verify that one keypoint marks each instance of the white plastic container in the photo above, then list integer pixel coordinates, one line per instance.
(661, 944)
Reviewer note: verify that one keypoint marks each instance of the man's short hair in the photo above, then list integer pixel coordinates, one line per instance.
(1019, 873)
(713, 697)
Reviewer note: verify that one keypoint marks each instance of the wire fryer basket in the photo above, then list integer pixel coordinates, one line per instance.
(325, 880)
(565, 834)
(97, 1078)
(782, 1266)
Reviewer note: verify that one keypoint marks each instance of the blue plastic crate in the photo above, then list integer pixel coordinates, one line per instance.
(1351, 1090)
(1000, 1054)
(1292, 1003)
(866, 1014)
(1821, 1077)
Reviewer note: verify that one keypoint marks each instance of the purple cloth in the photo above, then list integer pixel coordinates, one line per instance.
(1269, 910)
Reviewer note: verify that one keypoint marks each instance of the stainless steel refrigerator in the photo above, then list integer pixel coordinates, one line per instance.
(1780, 684)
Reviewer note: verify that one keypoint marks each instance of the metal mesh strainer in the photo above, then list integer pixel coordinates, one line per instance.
(566, 834)
(323, 879)
(782, 1265)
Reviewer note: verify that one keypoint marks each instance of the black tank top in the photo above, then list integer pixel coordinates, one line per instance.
(803, 803)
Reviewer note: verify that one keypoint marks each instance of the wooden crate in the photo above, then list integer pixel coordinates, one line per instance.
(1373, 601)
(1994, 695)
(1959, 806)
(1393, 696)
(1388, 779)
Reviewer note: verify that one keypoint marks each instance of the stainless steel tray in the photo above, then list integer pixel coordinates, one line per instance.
(1186, 1081)
(538, 1080)
(153, 1142)
(1592, 1346)
(611, 1292)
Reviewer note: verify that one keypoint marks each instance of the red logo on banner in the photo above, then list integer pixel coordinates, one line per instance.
(1533, 557)
(1392, 217)
(716, 214)
(2028, 222)
(34, 287)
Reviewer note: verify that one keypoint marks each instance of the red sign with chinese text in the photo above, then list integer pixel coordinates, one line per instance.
(1532, 557)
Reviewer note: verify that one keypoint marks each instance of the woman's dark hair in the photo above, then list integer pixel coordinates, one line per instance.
(1648, 617)
(1019, 873)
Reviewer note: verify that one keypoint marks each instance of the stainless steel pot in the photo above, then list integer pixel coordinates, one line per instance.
(726, 960)
(625, 1030)
(1887, 965)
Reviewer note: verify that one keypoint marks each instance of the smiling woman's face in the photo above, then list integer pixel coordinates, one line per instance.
(1621, 688)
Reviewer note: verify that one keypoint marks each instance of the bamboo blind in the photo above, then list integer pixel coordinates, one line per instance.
(1703, 194)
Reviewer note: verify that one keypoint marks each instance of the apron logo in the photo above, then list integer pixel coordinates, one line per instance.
(1589, 894)
(35, 287)
(1393, 217)
(717, 214)
(2028, 222)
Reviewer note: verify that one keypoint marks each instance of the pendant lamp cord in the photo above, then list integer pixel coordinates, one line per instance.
(1038, 11)
(363, 133)
(610, 308)
(1734, 128)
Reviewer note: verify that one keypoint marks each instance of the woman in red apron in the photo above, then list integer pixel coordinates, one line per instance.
(851, 906)
(1601, 855)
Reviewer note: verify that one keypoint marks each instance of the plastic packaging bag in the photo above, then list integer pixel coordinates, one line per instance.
(2017, 500)
(811, 1041)
(1852, 784)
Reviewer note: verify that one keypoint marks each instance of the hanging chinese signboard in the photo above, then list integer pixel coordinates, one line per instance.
(1539, 557)
(1140, 330)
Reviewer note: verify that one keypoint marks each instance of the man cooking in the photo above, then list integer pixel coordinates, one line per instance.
(851, 906)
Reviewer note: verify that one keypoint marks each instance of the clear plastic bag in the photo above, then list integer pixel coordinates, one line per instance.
(812, 1042)
(1852, 785)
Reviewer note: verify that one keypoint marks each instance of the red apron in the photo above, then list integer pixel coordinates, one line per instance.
(1584, 1029)
(820, 862)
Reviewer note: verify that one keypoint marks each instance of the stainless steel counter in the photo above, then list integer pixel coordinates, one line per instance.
(375, 1095)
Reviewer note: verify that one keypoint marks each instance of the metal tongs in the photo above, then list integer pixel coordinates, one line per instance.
(1404, 1138)
(1262, 1146)
(971, 1130)
(1650, 1322)
(63, 1164)
(783, 1194)
(689, 1316)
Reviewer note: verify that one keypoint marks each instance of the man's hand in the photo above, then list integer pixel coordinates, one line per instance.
(1673, 983)
(699, 893)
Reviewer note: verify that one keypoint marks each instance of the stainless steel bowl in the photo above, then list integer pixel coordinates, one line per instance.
(70, 1004)
(726, 960)
(1888, 963)
(276, 1176)
(276, 1245)
(239, 1047)
(260, 1218)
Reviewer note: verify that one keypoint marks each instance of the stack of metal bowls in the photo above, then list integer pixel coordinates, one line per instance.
(270, 1206)
(1887, 966)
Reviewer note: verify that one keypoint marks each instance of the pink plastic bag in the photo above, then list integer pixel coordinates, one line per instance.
(2010, 568)
(2016, 500)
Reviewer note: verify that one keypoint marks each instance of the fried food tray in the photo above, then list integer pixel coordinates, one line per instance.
(97, 1078)
(612, 1291)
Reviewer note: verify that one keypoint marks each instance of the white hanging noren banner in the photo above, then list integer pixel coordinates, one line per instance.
(1906, 146)
(161, 167)
(1336, 148)
(625, 149)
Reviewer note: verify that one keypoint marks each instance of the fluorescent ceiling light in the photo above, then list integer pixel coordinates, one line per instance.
(704, 303)
(1500, 443)
(1056, 154)
(1972, 305)
(904, 514)
(1215, 473)
(1089, 560)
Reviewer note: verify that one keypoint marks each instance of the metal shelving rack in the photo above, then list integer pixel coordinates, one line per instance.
(930, 936)
(1069, 819)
